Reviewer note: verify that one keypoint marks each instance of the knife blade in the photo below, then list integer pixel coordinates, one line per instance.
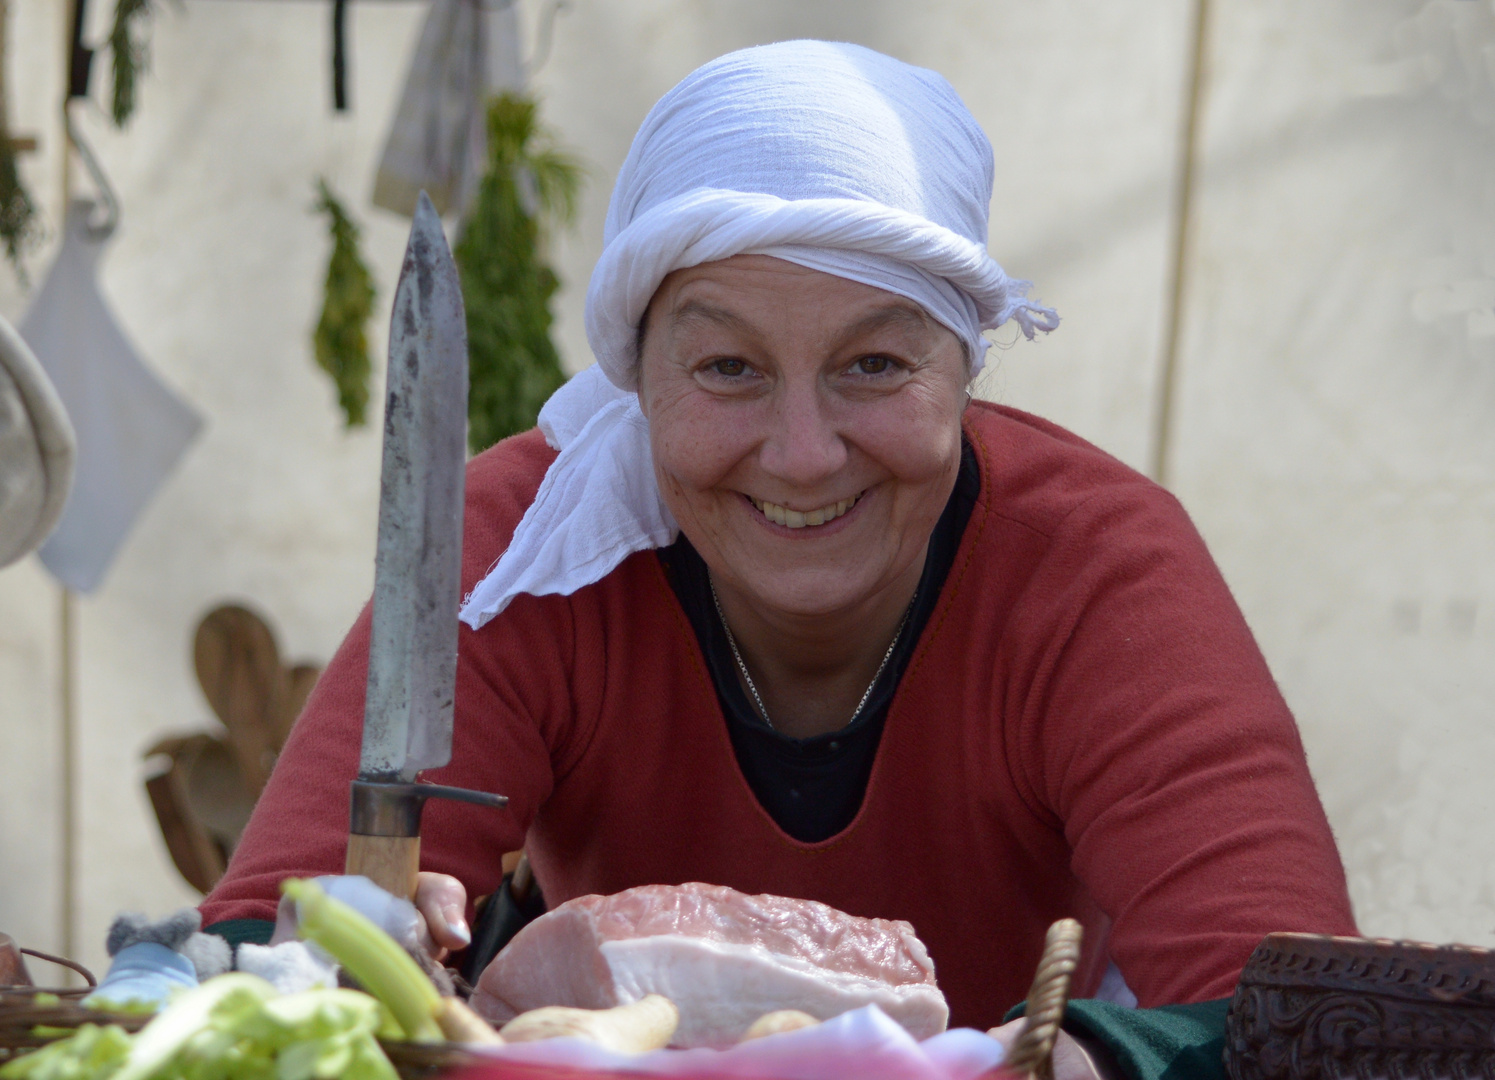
(408, 703)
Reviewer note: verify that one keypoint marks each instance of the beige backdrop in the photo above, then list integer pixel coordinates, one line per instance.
(1334, 428)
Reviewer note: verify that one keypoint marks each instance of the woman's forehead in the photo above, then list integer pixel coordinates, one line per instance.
(737, 288)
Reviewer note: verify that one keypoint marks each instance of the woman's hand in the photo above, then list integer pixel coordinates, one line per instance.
(441, 901)
(1073, 1060)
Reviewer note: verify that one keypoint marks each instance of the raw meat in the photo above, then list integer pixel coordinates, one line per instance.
(725, 958)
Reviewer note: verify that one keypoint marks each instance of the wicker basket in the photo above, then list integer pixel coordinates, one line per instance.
(21, 1015)
(1031, 1053)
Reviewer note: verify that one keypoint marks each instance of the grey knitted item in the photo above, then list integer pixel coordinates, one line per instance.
(131, 928)
(210, 955)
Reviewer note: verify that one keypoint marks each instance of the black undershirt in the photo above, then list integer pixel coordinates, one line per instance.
(813, 787)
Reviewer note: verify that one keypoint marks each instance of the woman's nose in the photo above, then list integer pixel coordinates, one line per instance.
(803, 447)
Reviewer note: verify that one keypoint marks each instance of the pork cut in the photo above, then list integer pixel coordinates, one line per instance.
(723, 957)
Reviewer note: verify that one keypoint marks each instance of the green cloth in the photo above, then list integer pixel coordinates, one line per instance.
(238, 931)
(1171, 1042)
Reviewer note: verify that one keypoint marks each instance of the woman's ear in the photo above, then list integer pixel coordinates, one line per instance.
(641, 333)
(638, 349)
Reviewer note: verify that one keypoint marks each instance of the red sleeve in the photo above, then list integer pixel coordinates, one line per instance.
(1155, 737)
(515, 726)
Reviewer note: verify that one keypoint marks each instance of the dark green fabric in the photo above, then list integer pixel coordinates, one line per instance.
(238, 931)
(1172, 1042)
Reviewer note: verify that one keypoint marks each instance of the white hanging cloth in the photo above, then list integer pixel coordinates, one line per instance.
(131, 429)
(438, 141)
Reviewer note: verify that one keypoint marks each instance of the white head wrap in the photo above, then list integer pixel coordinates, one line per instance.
(828, 155)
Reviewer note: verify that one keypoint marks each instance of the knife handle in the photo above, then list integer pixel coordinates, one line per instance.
(384, 829)
(390, 862)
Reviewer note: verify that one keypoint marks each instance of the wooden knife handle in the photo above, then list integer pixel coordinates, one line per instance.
(390, 862)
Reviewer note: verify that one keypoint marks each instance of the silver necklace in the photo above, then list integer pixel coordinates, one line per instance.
(753, 687)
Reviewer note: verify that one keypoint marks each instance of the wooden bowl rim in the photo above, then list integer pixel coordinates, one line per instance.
(1412, 970)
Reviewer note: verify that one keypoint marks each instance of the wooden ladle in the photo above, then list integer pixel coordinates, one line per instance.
(208, 784)
(256, 697)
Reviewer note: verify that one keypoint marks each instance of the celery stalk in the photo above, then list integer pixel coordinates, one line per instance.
(371, 956)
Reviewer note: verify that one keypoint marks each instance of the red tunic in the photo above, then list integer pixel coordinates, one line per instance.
(1086, 728)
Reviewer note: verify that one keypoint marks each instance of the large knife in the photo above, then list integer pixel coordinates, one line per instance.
(407, 717)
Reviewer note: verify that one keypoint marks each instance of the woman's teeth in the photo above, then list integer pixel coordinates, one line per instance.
(798, 519)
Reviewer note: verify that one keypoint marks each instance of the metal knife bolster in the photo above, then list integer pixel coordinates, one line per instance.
(394, 808)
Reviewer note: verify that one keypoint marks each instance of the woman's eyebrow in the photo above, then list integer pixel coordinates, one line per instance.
(894, 316)
(698, 311)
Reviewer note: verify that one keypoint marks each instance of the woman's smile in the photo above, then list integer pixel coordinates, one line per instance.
(817, 518)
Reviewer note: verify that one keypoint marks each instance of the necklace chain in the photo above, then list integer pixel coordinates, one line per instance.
(753, 687)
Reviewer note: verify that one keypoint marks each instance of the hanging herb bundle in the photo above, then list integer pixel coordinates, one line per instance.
(529, 185)
(131, 53)
(18, 222)
(18, 225)
(341, 338)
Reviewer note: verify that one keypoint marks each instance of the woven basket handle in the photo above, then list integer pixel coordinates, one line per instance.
(1033, 1049)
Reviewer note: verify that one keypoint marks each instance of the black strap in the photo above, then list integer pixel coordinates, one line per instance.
(80, 61)
(496, 922)
(339, 55)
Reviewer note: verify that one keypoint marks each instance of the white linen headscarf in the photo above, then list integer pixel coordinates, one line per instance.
(828, 155)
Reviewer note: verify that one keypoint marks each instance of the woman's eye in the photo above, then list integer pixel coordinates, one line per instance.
(872, 365)
(730, 367)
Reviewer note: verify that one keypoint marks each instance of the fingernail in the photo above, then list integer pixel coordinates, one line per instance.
(457, 924)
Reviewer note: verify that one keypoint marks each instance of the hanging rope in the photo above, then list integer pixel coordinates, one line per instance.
(340, 55)
(1164, 420)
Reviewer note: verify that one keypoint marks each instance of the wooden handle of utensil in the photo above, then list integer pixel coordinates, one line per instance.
(1032, 1052)
(390, 862)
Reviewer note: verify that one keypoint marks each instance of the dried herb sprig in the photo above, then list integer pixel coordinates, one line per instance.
(341, 338)
(18, 219)
(530, 185)
(131, 53)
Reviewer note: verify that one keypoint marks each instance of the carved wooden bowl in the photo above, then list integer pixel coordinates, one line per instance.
(1310, 1007)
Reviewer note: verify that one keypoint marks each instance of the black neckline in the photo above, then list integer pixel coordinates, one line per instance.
(813, 788)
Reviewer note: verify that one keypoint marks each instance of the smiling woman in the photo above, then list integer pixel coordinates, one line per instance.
(806, 436)
(768, 602)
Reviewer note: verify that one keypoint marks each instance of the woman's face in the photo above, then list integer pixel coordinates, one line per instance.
(805, 428)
